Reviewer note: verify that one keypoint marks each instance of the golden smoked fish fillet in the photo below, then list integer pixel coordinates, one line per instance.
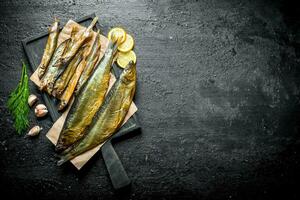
(88, 101)
(50, 48)
(109, 117)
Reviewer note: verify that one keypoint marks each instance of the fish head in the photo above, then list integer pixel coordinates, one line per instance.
(62, 105)
(112, 47)
(116, 39)
(129, 73)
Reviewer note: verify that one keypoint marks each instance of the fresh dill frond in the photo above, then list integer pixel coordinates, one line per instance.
(17, 102)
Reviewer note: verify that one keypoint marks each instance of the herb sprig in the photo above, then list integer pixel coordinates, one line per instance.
(17, 103)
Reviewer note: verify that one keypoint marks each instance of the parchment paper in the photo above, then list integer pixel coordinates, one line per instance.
(56, 128)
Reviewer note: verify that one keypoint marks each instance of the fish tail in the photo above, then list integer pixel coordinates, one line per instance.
(63, 160)
(93, 23)
(41, 70)
(59, 147)
(66, 155)
(42, 86)
(62, 105)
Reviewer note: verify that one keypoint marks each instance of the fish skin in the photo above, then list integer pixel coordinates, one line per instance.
(75, 46)
(109, 117)
(72, 48)
(52, 70)
(91, 62)
(87, 101)
(62, 82)
(50, 48)
(68, 92)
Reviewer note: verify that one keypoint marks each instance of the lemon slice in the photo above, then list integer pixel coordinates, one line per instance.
(124, 58)
(118, 33)
(127, 45)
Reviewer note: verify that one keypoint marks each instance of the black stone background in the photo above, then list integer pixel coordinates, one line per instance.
(218, 98)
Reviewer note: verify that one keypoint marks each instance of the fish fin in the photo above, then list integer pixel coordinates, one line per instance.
(66, 151)
(65, 157)
(62, 161)
(59, 147)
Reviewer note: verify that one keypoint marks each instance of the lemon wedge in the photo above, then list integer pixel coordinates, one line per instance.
(127, 45)
(123, 58)
(117, 32)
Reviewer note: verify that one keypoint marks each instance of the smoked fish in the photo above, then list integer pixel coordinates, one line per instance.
(87, 101)
(62, 81)
(91, 62)
(50, 48)
(68, 92)
(70, 88)
(75, 46)
(109, 117)
(52, 71)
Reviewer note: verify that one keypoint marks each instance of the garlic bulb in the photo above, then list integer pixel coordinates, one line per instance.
(40, 110)
(32, 99)
(34, 131)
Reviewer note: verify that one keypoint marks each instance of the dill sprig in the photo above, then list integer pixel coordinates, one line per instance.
(17, 102)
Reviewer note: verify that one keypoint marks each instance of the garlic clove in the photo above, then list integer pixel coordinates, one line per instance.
(34, 131)
(40, 110)
(32, 99)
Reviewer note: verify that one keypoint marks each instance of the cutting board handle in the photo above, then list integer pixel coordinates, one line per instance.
(117, 173)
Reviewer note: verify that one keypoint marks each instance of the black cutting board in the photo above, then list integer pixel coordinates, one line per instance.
(34, 47)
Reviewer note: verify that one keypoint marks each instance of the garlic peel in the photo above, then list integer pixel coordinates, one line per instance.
(34, 131)
(32, 99)
(40, 110)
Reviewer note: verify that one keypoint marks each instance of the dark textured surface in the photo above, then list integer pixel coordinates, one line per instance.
(218, 93)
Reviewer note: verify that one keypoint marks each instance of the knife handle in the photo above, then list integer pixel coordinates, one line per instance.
(117, 173)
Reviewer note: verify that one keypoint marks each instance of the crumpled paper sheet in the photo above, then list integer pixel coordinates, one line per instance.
(56, 128)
